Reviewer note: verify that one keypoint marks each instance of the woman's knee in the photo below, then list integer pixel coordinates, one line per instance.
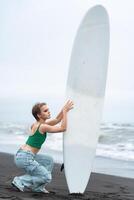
(49, 163)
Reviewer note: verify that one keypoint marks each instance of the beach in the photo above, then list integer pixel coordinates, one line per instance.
(100, 186)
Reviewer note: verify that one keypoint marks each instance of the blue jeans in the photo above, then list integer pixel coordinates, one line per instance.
(38, 169)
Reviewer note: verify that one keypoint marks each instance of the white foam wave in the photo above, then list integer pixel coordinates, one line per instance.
(119, 152)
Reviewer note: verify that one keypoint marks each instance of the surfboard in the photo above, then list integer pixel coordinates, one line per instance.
(86, 87)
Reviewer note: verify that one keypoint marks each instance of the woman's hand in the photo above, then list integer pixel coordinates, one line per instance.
(68, 106)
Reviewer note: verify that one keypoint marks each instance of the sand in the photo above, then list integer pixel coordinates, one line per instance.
(100, 186)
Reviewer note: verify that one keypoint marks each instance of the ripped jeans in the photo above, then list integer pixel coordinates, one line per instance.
(38, 169)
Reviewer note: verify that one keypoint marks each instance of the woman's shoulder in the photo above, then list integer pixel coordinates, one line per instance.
(33, 128)
(42, 128)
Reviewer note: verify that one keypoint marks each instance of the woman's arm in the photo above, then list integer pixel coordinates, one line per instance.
(63, 126)
(55, 121)
(58, 119)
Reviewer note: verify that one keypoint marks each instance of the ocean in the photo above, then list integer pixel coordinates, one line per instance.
(114, 154)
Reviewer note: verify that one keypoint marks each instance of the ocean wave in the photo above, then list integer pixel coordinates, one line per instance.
(120, 152)
(116, 141)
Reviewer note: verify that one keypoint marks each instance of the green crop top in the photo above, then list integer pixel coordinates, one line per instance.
(37, 139)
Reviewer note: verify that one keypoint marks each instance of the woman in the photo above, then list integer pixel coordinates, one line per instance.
(39, 167)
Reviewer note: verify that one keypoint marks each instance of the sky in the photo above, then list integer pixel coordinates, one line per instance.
(35, 46)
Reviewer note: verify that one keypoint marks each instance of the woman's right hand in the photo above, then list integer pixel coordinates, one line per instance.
(68, 106)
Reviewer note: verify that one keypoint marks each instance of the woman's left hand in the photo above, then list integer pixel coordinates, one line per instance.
(68, 105)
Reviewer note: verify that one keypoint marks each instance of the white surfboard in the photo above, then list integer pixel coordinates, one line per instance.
(86, 87)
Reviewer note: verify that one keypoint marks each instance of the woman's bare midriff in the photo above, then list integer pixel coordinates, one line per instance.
(29, 148)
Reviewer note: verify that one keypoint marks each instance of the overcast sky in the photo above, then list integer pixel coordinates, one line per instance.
(36, 39)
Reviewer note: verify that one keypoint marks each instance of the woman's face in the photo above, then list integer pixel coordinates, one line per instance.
(45, 113)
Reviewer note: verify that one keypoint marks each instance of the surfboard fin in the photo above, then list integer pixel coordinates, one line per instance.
(62, 167)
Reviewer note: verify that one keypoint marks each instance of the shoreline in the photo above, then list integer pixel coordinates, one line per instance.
(100, 186)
